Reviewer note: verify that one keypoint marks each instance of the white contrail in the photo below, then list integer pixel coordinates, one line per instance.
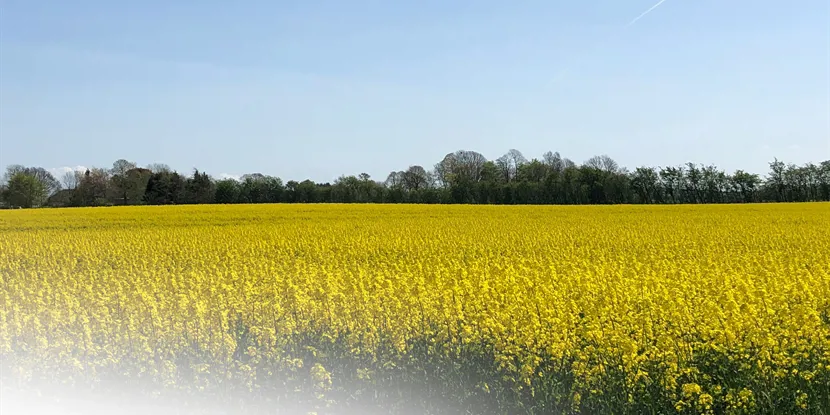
(561, 74)
(645, 13)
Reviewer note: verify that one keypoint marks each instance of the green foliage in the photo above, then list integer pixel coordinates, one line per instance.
(465, 177)
(164, 188)
(227, 191)
(199, 189)
(24, 190)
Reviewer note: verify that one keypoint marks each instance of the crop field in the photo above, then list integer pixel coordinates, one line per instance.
(425, 309)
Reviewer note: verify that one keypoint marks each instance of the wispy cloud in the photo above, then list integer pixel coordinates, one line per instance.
(119, 62)
(77, 55)
(59, 172)
(229, 176)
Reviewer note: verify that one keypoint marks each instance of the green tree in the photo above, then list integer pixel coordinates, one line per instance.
(25, 191)
(776, 180)
(460, 177)
(227, 191)
(120, 182)
(92, 189)
(645, 182)
(745, 185)
(671, 179)
(416, 178)
(165, 188)
(199, 188)
(47, 180)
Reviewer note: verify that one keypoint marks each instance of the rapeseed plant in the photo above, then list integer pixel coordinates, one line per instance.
(626, 309)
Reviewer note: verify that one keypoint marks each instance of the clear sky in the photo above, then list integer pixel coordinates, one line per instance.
(315, 89)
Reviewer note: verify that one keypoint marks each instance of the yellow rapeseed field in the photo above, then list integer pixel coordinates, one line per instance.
(485, 309)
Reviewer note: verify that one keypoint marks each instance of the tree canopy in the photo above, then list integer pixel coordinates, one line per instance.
(463, 176)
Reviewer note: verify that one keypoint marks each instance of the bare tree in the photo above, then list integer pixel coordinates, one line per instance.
(510, 163)
(47, 180)
(121, 167)
(556, 162)
(444, 169)
(93, 188)
(159, 168)
(395, 179)
(470, 164)
(13, 170)
(462, 165)
(416, 178)
(72, 179)
(553, 160)
(604, 163)
(123, 184)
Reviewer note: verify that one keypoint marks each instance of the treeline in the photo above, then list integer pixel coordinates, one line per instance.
(460, 177)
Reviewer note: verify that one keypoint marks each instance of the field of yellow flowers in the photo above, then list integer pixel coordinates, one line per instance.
(427, 309)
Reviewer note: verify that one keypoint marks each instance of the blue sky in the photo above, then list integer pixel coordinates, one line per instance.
(315, 89)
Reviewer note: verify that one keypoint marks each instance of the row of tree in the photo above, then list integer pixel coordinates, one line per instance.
(460, 177)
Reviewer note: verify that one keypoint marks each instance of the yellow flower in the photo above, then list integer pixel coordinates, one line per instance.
(615, 298)
(691, 389)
